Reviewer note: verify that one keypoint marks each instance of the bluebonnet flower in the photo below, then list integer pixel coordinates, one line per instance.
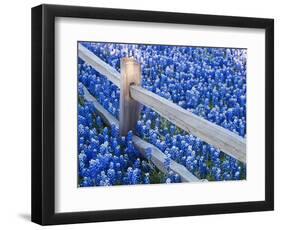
(167, 162)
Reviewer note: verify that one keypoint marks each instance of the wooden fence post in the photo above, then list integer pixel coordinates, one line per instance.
(129, 108)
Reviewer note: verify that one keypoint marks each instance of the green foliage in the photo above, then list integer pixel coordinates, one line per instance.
(81, 100)
(157, 177)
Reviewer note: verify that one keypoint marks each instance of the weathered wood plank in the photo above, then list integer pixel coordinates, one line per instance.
(129, 108)
(223, 139)
(99, 65)
(158, 159)
(102, 112)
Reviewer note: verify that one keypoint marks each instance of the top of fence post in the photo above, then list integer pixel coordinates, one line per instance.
(129, 108)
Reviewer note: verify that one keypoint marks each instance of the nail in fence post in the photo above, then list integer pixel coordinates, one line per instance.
(129, 108)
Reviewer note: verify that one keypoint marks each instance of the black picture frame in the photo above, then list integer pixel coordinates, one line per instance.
(43, 114)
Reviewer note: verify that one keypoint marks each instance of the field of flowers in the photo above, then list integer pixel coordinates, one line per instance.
(209, 82)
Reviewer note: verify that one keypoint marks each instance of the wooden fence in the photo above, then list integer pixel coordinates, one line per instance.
(132, 96)
(157, 156)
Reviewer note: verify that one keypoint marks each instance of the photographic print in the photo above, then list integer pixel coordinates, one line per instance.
(175, 109)
(160, 114)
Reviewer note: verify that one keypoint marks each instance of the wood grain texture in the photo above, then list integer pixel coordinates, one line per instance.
(99, 65)
(129, 108)
(221, 138)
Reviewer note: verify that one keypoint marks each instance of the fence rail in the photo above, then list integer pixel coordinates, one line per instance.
(223, 139)
(211, 133)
